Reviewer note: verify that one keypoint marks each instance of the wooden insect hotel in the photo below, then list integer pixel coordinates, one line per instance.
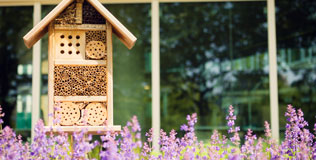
(80, 77)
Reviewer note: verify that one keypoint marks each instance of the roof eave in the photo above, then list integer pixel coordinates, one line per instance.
(40, 29)
(127, 38)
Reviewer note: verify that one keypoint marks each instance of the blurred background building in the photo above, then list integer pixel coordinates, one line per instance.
(211, 54)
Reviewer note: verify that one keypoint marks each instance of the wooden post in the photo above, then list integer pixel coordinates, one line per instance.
(273, 71)
(109, 62)
(51, 55)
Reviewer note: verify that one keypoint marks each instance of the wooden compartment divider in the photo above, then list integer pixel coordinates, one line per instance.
(80, 98)
(80, 62)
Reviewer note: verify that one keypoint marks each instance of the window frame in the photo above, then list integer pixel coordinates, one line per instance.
(155, 58)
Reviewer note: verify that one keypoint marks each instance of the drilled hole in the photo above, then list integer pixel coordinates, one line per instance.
(70, 37)
(69, 44)
(78, 37)
(78, 52)
(62, 44)
(78, 44)
(70, 52)
(62, 36)
(62, 51)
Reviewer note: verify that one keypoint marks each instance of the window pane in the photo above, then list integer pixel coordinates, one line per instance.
(16, 68)
(296, 42)
(132, 68)
(214, 55)
(44, 70)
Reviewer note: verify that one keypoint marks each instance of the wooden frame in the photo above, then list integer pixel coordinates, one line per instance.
(80, 62)
(72, 37)
(96, 130)
(80, 98)
(81, 27)
(109, 72)
(51, 55)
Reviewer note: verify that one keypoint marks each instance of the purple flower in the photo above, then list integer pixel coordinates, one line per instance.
(297, 139)
(189, 137)
(1, 115)
(299, 143)
(109, 147)
(248, 149)
(131, 139)
(82, 145)
(235, 139)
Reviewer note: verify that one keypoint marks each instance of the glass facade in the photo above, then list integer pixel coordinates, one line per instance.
(214, 55)
(16, 68)
(131, 68)
(296, 41)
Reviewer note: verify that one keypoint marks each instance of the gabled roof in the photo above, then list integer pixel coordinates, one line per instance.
(42, 27)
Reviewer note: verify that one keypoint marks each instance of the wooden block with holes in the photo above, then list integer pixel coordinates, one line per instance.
(80, 78)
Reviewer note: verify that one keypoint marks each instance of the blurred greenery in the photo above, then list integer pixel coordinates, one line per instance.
(296, 42)
(14, 24)
(131, 74)
(214, 55)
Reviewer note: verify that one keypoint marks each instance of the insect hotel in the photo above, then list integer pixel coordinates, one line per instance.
(80, 76)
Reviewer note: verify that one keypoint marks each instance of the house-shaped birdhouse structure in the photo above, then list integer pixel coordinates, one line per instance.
(80, 78)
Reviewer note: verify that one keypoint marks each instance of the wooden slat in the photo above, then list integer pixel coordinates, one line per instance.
(91, 129)
(109, 72)
(42, 27)
(51, 54)
(83, 27)
(79, 11)
(121, 31)
(80, 98)
(81, 62)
